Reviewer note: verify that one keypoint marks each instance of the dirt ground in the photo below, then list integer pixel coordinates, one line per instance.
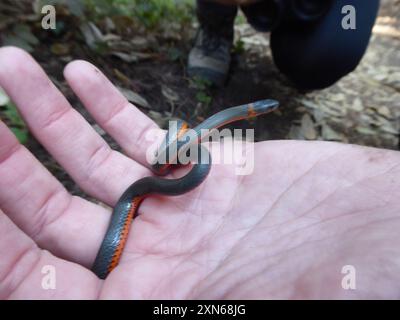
(363, 108)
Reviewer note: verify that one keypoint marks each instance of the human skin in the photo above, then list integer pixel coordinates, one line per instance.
(285, 231)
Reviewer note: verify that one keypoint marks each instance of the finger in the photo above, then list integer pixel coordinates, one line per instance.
(68, 226)
(101, 172)
(111, 110)
(23, 268)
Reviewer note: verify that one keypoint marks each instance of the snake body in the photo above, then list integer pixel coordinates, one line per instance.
(128, 204)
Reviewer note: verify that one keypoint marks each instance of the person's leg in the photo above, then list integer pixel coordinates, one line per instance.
(316, 55)
(211, 55)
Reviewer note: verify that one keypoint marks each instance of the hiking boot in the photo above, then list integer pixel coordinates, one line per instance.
(210, 57)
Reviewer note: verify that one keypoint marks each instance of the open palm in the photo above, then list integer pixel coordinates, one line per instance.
(285, 231)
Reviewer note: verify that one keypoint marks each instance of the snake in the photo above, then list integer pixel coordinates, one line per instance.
(177, 141)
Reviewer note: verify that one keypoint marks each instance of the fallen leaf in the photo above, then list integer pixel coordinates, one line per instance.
(125, 56)
(319, 115)
(121, 76)
(132, 56)
(140, 43)
(135, 98)
(365, 130)
(110, 25)
(92, 34)
(384, 111)
(295, 133)
(307, 128)
(60, 49)
(331, 135)
(110, 37)
(169, 94)
(357, 105)
(338, 97)
(76, 7)
(24, 32)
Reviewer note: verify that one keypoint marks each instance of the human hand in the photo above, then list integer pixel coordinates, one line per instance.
(284, 231)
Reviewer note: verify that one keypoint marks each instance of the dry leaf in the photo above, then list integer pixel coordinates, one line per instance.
(169, 94)
(92, 34)
(60, 49)
(307, 128)
(132, 56)
(331, 135)
(357, 105)
(135, 98)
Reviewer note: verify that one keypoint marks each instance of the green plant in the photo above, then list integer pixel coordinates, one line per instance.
(203, 87)
(203, 97)
(238, 46)
(12, 118)
(240, 19)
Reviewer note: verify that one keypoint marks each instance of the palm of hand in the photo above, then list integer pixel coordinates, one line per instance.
(284, 231)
